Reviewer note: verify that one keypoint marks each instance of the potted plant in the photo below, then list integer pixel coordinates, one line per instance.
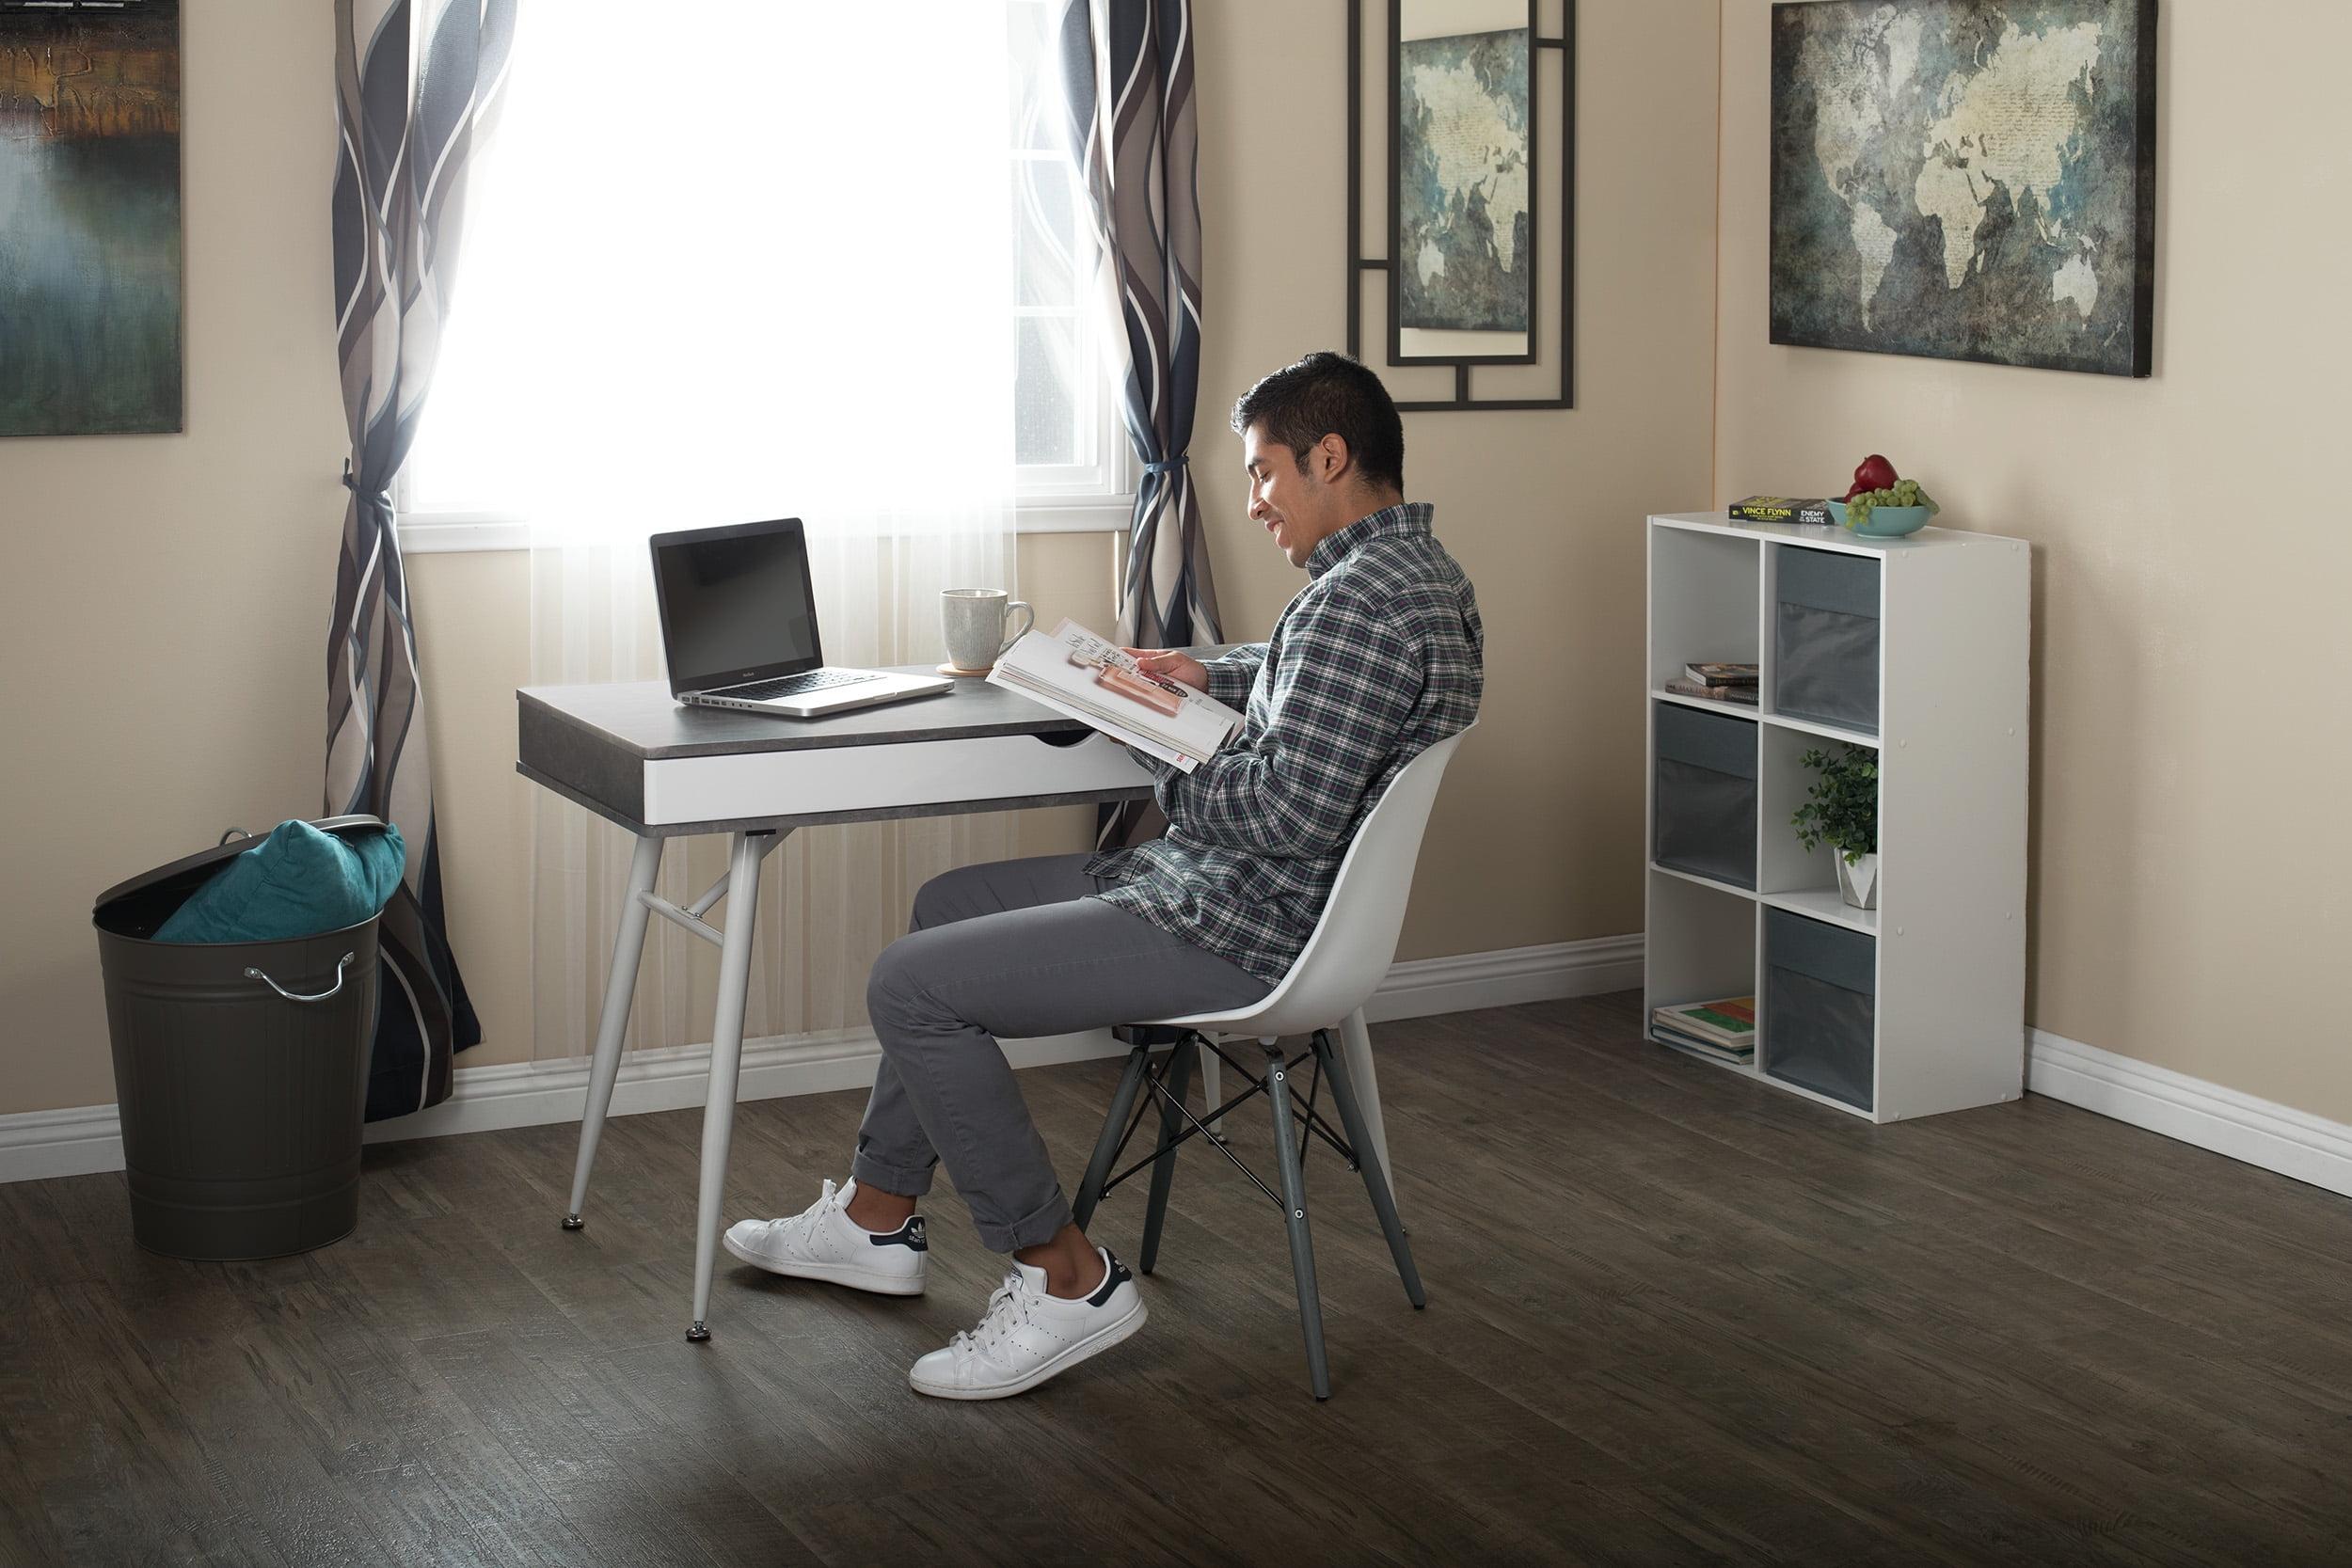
(1842, 811)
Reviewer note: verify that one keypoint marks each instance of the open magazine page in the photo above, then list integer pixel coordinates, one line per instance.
(1075, 672)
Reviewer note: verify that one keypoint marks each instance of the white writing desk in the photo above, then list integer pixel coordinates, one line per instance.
(631, 754)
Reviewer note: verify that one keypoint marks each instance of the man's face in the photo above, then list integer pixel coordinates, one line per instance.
(1288, 504)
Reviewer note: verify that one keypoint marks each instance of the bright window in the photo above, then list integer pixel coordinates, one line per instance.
(690, 196)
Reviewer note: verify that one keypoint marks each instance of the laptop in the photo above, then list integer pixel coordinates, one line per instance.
(738, 626)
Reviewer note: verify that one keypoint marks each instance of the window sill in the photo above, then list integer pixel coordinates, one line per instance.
(450, 532)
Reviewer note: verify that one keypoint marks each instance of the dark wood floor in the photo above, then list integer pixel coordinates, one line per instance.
(1674, 1317)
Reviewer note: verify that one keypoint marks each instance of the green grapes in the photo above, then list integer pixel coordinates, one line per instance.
(1904, 492)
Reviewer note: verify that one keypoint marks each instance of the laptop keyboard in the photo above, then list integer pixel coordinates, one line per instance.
(801, 685)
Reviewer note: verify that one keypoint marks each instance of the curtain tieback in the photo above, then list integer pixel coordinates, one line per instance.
(1179, 461)
(382, 498)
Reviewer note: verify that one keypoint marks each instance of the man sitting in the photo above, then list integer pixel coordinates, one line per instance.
(1377, 657)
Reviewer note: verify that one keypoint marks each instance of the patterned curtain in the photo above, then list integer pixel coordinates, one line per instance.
(1127, 74)
(415, 83)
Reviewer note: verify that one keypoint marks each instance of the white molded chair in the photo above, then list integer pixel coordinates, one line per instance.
(1346, 957)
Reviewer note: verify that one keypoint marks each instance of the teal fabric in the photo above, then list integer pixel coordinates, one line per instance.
(297, 882)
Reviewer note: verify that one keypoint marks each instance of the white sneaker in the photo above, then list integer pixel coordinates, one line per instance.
(1026, 1335)
(824, 1242)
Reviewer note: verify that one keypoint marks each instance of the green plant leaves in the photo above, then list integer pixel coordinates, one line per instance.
(1841, 809)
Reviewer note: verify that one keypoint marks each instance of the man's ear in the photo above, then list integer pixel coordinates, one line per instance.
(1332, 458)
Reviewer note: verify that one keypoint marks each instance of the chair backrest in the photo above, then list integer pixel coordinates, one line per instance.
(1353, 944)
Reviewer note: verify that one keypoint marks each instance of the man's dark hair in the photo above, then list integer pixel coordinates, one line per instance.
(1328, 394)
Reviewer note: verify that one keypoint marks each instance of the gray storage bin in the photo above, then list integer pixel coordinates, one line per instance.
(240, 1097)
(1820, 1005)
(1705, 810)
(1825, 639)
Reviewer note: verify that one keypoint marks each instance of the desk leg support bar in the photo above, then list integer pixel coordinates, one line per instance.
(726, 1060)
(620, 990)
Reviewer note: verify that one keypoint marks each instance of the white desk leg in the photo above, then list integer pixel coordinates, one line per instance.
(1356, 1049)
(620, 990)
(726, 1061)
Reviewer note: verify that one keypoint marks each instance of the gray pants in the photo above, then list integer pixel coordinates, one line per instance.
(1016, 949)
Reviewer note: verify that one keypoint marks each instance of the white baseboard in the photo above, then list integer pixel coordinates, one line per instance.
(527, 1094)
(82, 1140)
(2258, 1131)
(1420, 987)
(75, 1141)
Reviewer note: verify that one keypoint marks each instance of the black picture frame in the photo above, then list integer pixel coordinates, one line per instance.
(1539, 349)
(1792, 247)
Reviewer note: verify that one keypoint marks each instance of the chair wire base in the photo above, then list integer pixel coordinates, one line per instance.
(1293, 1117)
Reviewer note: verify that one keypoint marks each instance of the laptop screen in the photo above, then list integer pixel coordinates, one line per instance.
(736, 604)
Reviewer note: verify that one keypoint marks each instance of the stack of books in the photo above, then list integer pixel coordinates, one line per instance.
(1717, 682)
(1723, 1029)
(1809, 510)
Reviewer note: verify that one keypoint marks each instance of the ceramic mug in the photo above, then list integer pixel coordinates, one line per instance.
(974, 620)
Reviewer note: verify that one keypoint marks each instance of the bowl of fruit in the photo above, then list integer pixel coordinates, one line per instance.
(1881, 505)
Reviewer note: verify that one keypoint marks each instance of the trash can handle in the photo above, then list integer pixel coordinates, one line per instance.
(295, 996)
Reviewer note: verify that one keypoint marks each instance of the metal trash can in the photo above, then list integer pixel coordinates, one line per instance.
(241, 1069)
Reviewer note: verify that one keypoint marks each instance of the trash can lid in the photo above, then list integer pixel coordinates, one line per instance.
(220, 854)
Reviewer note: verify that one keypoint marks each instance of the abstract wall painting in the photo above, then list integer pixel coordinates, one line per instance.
(1966, 180)
(90, 288)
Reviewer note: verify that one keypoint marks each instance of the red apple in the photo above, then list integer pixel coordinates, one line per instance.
(1873, 473)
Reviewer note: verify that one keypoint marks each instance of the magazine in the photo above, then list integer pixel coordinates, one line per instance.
(1681, 688)
(1729, 1022)
(1072, 670)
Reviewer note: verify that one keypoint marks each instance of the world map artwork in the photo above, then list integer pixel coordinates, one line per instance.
(1965, 180)
(1463, 215)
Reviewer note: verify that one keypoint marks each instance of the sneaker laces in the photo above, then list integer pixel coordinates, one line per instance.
(802, 1226)
(1007, 1310)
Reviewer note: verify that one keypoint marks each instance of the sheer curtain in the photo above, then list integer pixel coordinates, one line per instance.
(749, 260)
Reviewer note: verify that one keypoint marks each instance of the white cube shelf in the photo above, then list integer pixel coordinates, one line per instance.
(1944, 704)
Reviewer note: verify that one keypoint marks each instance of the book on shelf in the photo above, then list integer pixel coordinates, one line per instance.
(1727, 1022)
(1741, 694)
(1812, 511)
(1715, 673)
(1091, 679)
(1704, 1048)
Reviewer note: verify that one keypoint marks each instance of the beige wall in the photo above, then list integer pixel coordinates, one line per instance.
(2189, 842)
(210, 555)
(164, 598)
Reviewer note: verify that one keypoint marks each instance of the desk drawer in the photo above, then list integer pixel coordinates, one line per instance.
(1005, 768)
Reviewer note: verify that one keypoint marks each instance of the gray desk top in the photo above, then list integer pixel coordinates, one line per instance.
(641, 719)
(591, 744)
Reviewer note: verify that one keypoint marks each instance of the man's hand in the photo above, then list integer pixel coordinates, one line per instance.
(1172, 665)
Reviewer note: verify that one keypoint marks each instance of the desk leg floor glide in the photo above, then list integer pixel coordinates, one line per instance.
(620, 990)
(726, 1061)
(748, 849)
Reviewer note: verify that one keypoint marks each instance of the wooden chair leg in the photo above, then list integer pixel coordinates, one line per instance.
(1294, 1219)
(1105, 1147)
(1369, 1163)
(1177, 1079)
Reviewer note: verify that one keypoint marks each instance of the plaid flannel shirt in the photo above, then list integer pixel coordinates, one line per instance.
(1379, 656)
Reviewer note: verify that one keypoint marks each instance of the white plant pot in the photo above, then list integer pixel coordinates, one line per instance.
(1858, 882)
